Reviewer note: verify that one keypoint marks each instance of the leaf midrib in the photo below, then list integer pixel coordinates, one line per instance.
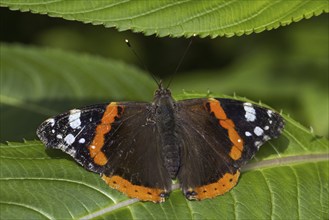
(287, 160)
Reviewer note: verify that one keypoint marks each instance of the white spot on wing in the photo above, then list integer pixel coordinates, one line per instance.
(82, 140)
(51, 121)
(59, 136)
(269, 113)
(258, 131)
(248, 134)
(69, 139)
(250, 111)
(266, 127)
(74, 118)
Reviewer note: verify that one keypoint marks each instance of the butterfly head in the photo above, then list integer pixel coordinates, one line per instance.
(162, 92)
(163, 99)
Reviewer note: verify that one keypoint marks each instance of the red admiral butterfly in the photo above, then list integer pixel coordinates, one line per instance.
(139, 148)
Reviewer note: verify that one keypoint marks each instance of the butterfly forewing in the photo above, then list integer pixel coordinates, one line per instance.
(72, 132)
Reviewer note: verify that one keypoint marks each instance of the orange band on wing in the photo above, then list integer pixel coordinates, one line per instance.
(235, 153)
(135, 191)
(217, 109)
(103, 128)
(228, 124)
(223, 185)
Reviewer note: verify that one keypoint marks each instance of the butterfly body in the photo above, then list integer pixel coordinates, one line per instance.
(139, 148)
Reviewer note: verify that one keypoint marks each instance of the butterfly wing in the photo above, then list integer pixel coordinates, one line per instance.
(73, 132)
(218, 136)
(117, 140)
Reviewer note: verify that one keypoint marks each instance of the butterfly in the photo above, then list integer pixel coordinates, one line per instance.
(138, 148)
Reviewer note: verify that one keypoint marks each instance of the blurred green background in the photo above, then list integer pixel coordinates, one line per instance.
(286, 68)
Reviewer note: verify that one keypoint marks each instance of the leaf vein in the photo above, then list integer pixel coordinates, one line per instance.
(59, 180)
(298, 192)
(286, 161)
(271, 195)
(27, 207)
(111, 208)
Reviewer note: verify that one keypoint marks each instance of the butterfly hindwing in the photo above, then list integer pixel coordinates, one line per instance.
(216, 142)
(135, 165)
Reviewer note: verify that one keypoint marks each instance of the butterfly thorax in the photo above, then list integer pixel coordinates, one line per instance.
(165, 109)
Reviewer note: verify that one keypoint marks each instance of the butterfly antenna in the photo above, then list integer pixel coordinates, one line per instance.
(141, 62)
(181, 61)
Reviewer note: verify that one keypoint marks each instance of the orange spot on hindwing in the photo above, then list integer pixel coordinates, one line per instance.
(228, 124)
(223, 185)
(102, 129)
(135, 191)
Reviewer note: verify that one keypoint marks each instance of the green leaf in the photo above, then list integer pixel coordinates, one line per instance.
(37, 83)
(179, 18)
(287, 180)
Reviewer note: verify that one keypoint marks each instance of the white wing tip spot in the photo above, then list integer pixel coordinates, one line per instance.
(258, 131)
(248, 134)
(250, 112)
(74, 118)
(51, 121)
(269, 113)
(82, 140)
(69, 139)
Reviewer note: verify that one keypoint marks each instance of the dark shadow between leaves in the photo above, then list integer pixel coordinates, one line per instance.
(273, 147)
(58, 154)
